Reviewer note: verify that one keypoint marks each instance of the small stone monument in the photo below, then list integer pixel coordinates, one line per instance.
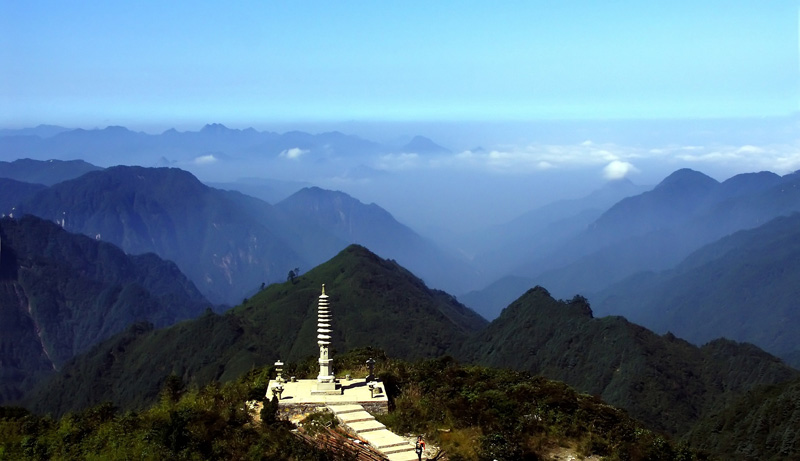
(371, 366)
(279, 370)
(277, 390)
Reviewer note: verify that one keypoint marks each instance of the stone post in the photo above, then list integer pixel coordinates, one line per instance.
(371, 366)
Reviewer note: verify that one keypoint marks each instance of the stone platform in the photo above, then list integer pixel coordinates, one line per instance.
(299, 400)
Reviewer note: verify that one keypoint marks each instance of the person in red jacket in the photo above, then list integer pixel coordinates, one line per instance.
(419, 447)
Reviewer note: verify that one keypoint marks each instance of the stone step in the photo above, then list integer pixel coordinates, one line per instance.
(366, 426)
(385, 439)
(389, 451)
(410, 456)
(354, 417)
(395, 446)
(342, 409)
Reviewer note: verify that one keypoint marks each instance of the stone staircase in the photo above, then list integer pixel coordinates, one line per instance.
(364, 425)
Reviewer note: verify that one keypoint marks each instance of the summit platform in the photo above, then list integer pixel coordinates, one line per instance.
(299, 399)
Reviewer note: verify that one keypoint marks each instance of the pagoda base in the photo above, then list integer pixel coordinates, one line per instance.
(327, 388)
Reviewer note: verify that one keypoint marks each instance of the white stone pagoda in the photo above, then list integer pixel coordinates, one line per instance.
(326, 382)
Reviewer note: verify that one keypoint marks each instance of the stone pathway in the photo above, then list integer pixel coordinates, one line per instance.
(364, 425)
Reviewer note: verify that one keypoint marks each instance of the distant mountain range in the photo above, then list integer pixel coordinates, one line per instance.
(530, 239)
(587, 249)
(657, 229)
(61, 293)
(174, 146)
(744, 287)
(373, 227)
(44, 172)
(692, 257)
(42, 131)
(228, 243)
(214, 236)
(636, 259)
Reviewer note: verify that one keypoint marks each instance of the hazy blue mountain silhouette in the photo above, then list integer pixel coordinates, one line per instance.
(47, 172)
(530, 239)
(657, 229)
(531, 236)
(423, 145)
(268, 190)
(491, 300)
(227, 243)
(375, 228)
(12, 193)
(113, 144)
(42, 131)
(744, 287)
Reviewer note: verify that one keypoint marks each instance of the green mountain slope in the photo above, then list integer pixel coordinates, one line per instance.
(662, 380)
(467, 412)
(742, 287)
(375, 302)
(61, 293)
(761, 425)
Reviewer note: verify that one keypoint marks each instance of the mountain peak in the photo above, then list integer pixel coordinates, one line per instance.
(215, 128)
(116, 129)
(687, 178)
(423, 145)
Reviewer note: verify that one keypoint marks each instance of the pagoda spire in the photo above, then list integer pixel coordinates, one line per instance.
(324, 339)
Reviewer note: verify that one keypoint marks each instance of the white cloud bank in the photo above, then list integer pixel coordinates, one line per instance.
(294, 153)
(398, 162)
(205, 159)
(609, 160)
(618, 169)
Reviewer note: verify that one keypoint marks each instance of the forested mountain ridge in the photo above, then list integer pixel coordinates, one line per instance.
(662, 380)
(61, 293)
(375, 302)
(761, 425)
(465, 412)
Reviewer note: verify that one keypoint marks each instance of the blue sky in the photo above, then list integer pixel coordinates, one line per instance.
(154, 65)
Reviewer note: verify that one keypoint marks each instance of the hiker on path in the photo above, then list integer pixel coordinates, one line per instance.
(419, 447)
